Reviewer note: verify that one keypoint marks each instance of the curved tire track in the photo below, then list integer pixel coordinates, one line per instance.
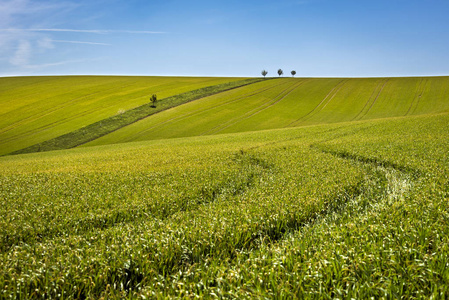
(284, 93)
(319, 107)
(419, 92)
(374, 102)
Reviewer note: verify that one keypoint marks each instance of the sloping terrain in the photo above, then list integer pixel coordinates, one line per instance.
(355, 206)
(290, 102)
(37, 109)
(48, 113)
(348, 210)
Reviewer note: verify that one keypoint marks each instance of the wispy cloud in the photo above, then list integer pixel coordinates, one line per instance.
(41, 66)
(32, 33)
(95, 31)
(81, 42)
(45, 43)
(22, 54)
(13, 11)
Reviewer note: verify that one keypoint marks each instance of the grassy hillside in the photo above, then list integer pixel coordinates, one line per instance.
(342, 209)
(37, 109)
(347, 210)
(291, 102)
(47, 113)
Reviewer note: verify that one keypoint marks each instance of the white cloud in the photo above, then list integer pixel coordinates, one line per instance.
(96, 31)
(10, 8)
(13, 11)
(45, 43)
(16, 47)
(32, 30)
(41, 66)
(80, 42)
(22, 54)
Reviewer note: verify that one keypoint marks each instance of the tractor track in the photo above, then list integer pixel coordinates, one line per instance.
(319, 107)
(374, 102)
(284, 93)
(418, 94)
(199, 111)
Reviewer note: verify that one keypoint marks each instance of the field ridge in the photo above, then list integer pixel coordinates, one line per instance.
(202, 110)
(111, 124)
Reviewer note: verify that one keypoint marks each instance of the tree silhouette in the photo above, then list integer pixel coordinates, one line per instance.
(153, 100)
(280, 72)
(264, 73)
(293, 73)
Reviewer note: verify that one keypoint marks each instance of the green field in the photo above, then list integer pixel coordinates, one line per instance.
(50, 113)
(291, 102)
(37, 109)
(348, 210)
(285, 188)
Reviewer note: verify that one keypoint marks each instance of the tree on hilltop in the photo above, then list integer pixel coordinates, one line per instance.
(293, 73)
(280, 72)
(264, 73)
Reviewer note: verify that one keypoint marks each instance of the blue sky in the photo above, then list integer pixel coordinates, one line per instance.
(316, 38)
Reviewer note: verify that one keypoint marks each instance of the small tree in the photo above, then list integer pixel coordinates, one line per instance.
(280, 72)
(153, 100)
(264, 73)
(293, 73)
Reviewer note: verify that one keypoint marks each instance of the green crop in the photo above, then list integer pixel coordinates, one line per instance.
(50, 113)
(348, 210)
(291, 102)
(37, 109)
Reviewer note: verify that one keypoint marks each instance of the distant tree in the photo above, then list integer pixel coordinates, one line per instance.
(293, 73)
(153, 100)
(280, 72)
(264, 73)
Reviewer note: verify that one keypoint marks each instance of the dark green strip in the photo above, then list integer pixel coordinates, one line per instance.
(108, 125)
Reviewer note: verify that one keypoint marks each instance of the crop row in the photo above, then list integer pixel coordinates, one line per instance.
(350, 210)
(80, 232)
(291, 102)
(97, 129)
(36, 109)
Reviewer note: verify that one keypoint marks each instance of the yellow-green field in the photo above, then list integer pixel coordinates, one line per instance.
(350, 210)
(291, 102)
(47, 113)
(36, 109)
(338, 189)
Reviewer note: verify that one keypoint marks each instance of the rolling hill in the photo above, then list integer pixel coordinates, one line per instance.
(291, 102)
(49, 113)
(357, 209)
(281, 188)
(37, 109)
